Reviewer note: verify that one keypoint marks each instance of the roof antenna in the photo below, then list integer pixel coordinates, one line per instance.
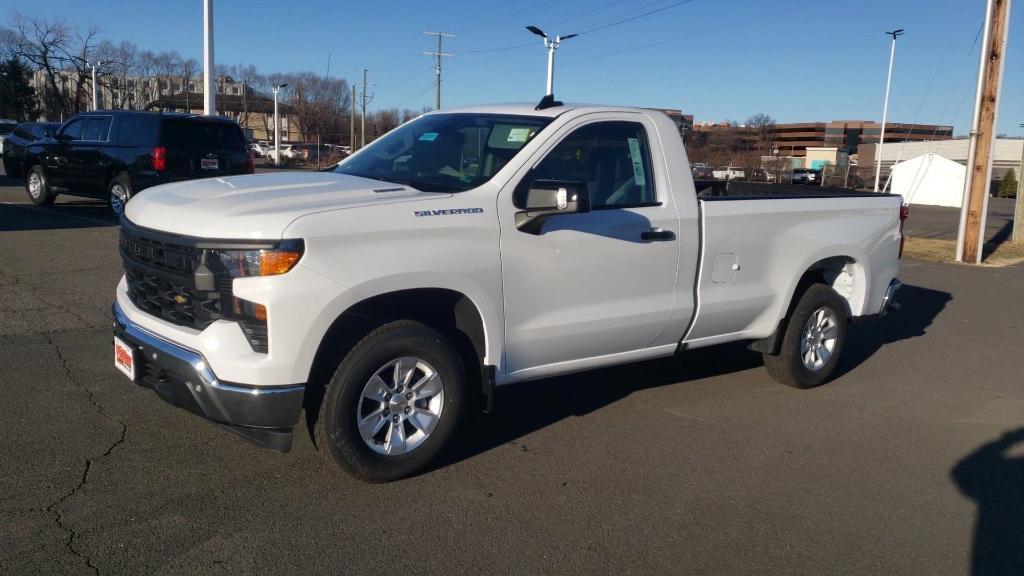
(548, 101)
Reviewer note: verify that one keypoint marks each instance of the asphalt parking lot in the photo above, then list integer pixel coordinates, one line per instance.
(699, 464)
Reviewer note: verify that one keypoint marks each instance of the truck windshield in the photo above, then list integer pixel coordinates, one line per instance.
(445, 152)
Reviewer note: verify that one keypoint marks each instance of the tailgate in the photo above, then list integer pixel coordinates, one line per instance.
(199, 148)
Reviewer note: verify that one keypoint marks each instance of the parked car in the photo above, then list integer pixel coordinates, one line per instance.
(6, 127)
(730, 173)
(17, 142)
(761, 175)
(806, 176)
(258, 150)
(386, 295)
(701, 172)
(288, 153)
(115, 154)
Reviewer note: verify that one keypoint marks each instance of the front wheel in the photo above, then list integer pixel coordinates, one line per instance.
(813, 341)
(393, 403)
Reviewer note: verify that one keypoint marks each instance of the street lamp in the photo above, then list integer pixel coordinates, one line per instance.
(95, 103)
(551, 45)
(277, 126)
(885, 108)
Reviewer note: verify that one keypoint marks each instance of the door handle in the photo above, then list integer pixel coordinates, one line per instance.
(658, 235)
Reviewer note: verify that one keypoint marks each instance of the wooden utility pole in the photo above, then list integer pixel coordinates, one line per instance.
(1018, 211)
(352, 122)
(979, 164)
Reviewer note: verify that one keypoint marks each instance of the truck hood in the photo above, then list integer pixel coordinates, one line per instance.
(258, 206)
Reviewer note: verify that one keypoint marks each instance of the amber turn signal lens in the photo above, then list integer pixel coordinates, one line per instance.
(274, 262)
(260, 312)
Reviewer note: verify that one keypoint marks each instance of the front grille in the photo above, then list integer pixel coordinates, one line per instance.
(172, 299)
(161, 278)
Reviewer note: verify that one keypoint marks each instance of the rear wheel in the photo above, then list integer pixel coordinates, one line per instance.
(38, 188)
(393, 403)
(814, 339)
(120, 191)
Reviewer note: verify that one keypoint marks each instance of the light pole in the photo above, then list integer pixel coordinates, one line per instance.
(885, 108)
(277, 126)
(209, 88)
(1018, 211)
(95, 102)
(551, 45)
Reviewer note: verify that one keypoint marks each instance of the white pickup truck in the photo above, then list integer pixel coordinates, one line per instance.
(467, 250)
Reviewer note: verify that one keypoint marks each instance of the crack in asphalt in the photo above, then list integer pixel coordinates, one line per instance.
(52, 508)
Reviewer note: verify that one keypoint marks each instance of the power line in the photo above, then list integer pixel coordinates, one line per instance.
(699, 33)
(516, 47)
(632, 18)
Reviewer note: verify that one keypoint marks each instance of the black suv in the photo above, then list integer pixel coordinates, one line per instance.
(114, 154)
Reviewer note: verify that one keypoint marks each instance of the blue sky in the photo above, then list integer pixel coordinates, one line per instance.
(797, 60)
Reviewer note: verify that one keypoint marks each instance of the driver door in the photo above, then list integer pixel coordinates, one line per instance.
(595, 284)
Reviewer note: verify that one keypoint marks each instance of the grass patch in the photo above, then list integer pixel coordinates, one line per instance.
(944, 251)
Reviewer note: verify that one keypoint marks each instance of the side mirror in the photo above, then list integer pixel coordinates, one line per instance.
(547, 198)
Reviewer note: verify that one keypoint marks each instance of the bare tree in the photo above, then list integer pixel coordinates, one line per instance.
(44, 44)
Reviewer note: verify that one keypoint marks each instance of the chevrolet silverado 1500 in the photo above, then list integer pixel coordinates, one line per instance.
(471, 249)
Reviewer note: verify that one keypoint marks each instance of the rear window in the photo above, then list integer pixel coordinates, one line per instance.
(202, 134)
(137, 129)
(6, 128)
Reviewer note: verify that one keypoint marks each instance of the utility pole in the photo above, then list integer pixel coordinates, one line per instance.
(209, 90)
(979, 156)
(352, 122)
(885, 108)
(1018, 212)
(437, 65)
(362, 127)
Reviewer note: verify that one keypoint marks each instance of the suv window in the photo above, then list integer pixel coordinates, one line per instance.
(23, 132)
(73, 129)
(613, 158)
(96, 129)
(201, 134)
(137, 129)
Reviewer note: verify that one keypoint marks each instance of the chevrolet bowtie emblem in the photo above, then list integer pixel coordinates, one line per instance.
(179, 299)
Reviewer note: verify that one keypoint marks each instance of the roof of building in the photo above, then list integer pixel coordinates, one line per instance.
(253, 103)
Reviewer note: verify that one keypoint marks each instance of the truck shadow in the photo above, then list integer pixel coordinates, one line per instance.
(62, 215)
(530, 406)
(919, 307)
(994, 479)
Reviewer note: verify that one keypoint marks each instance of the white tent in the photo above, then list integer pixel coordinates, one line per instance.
(929, 179)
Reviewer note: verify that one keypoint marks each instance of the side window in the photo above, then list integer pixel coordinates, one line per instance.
(137, 129)
(613, 158)
(96, 129)
(73, 129)
(23, 132)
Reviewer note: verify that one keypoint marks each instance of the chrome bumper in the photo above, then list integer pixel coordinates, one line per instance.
(887, 301)
(183, 378)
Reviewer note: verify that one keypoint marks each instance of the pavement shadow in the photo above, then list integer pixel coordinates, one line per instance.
(995, 481)
(529, 406)
(526, 407)
(919, 307)
(997, 239)
(63, 215)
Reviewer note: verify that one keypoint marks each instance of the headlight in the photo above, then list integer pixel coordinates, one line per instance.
(267, 262)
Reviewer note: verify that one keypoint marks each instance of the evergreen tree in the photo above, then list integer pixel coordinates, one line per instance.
(1008, 187)
(17, 97)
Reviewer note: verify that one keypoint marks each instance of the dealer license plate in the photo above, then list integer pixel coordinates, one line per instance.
(124, 358)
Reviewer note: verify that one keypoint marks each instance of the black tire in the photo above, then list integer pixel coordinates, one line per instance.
(337, 433)
(789, 367)
(119, 192)
(44, 194)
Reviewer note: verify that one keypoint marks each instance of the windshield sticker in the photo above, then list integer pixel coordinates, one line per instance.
(448, 212)
(428, 137)
(638, 162)
(518, 135)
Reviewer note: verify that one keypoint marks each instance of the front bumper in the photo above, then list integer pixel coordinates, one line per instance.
(182, 377)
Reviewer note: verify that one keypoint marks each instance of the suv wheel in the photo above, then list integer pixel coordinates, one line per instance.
(38, 188)
(120, 190)
(393, 402)
(814, 339)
